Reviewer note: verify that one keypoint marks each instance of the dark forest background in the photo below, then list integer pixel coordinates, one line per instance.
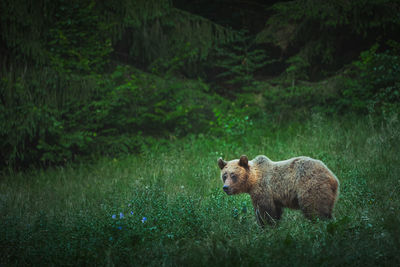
(83, 78)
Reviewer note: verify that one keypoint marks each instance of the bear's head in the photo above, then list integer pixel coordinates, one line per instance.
(234, 175)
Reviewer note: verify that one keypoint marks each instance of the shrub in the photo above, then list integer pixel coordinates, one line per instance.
(121, 112)
(376, 86)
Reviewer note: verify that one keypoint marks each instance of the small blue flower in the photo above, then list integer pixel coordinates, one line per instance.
(121, 215)
(119, 227)
(114, 216)
(144, 219)
(131, 212)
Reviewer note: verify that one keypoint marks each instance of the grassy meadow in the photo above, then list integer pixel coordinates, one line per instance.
(166, 206)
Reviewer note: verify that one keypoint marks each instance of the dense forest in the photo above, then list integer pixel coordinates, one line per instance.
(113, 115)
(107, 77)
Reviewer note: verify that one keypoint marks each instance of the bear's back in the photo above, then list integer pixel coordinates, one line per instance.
(300, 168)
(261, 161)
(292, 171)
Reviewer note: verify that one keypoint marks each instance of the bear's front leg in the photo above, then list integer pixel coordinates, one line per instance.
(267, 214)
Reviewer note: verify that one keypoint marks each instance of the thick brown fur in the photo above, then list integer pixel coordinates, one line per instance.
(298, 183)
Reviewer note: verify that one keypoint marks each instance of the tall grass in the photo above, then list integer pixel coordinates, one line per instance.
(64, 216)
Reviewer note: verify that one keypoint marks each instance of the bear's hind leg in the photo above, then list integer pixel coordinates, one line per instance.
(311, 213)
(318, 202)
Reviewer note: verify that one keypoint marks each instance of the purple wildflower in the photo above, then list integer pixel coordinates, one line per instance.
(114, 216)
(144, 219)
(121, 215)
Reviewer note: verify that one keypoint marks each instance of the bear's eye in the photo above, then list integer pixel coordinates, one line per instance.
(224, 177)
(233, 177)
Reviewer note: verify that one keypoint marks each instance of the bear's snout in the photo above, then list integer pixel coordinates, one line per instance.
(226, 189)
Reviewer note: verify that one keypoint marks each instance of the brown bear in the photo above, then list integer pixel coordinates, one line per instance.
(298, 183)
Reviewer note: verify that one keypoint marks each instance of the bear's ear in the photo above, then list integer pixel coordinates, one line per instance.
(244, 161)
(221, 163)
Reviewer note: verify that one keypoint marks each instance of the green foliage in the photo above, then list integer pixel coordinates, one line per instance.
(78, 41)
(59, 97)
(152, 105)
(323, 32)
(123, 113)
(232, 122)
(237, 61)
(70, 34)
(21, 27)
(80, 35)
(27, 118)
(176, 37)
(65, 94)
(298, 69)
(64, 215)
(358, 15)
(377, 83)
(178, 65)
(294, 102)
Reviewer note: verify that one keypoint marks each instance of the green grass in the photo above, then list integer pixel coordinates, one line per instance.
(63, 216)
